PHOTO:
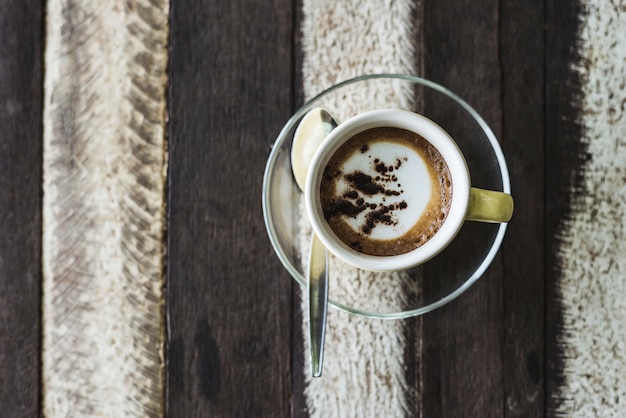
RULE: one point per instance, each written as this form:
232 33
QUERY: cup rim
435 135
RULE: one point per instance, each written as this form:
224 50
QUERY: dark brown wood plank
462 342
229 300
565 156
21 95
521 56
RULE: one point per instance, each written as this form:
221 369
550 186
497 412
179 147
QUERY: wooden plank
21 92
103 208
462 358
360 353
591 238
229 299
566 155
521 56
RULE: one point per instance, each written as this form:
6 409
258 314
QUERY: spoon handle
318 302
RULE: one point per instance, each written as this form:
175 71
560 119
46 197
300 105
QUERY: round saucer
399 294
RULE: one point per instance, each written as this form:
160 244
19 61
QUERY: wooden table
233 345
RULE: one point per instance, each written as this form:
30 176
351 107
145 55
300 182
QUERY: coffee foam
386 191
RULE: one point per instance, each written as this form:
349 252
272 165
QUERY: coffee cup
388 190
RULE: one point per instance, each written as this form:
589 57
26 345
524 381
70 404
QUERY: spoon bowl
314 127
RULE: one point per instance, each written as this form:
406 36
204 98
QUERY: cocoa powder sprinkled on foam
353 203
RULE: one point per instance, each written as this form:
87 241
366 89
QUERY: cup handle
489 206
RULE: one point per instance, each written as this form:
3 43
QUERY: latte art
386 191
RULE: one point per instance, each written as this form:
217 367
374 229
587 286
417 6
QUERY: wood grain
463 342
229 299
104 180
234 327
21 95
521 61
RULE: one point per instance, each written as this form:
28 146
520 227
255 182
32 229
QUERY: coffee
386 191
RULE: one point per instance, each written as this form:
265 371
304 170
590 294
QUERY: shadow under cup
410 292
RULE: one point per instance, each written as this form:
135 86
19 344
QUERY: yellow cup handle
489 206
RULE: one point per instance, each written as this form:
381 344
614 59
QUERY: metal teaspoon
313 128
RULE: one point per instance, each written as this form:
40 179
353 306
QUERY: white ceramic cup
467 203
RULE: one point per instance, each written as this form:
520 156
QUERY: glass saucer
401 294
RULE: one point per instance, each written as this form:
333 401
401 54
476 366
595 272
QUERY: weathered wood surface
587 203
489 343
234 343
103 208
463 364
357 379
521 59
229 300
565 153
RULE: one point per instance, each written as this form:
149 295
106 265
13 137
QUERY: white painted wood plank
593 250
364 371
103 220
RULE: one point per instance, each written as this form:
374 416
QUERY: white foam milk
413 183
